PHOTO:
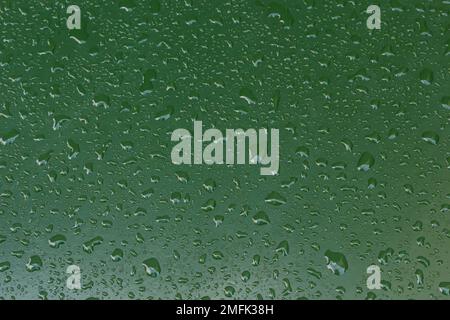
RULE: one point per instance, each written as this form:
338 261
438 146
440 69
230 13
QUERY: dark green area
86 176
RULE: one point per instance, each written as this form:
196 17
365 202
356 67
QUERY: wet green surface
86 177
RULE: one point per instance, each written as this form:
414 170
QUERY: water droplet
261 218
366 161
430 137
152 267
276 199
34 264
336 262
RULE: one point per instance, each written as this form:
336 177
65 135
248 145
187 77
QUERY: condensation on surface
86 177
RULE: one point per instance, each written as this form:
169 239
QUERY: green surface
85 170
